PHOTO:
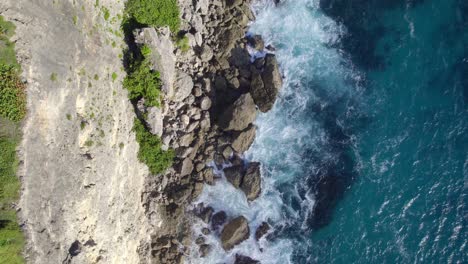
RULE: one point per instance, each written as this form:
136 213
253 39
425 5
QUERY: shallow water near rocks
364 154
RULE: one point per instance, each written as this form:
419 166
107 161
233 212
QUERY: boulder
265 86
204 213
234 233
243 140
183 86
155 121
251 183
185 167
262 230
218 220
205 103
240 58
241 259
239 115
234 175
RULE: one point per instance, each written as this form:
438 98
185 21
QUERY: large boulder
241 259
183 87
239 115
234 175
235 232
252 181
243 140
266 85
185 167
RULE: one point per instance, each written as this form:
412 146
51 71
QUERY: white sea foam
303 37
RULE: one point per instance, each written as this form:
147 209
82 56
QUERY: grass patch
12 94
53 76
183 43
150 151
156 13
114 76
89 143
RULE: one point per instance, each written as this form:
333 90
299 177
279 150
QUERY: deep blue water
365 152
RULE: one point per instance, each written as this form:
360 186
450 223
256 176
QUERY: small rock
205 250
186 140
218 220
205 231
183 86
227 152
205 103
234 233
208 176
200 240
262 230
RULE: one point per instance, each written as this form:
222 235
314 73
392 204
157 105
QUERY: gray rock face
234 233
251 183
240 114
162 55
264 90
183 86
243 140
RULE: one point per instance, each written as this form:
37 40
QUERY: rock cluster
208 112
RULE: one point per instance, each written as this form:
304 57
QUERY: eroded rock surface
236 231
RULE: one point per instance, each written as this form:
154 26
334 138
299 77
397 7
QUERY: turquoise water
364 155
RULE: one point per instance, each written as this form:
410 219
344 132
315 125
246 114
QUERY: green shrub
114 76
53 76
150 151
12 94
183 43
7 48
157 13
143 82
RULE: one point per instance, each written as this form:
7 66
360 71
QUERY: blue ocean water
364 155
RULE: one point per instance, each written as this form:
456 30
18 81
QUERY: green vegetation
53 76
82 125
75 20
12 95
183 43
96 77
106 13
150 151
142 82
69 117
114 76
12 111
89 143
156 13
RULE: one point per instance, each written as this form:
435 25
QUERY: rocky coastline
207 117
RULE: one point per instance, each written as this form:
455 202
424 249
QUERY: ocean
364 155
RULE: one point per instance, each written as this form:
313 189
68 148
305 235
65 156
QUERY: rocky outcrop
243 140
266 85
236 231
